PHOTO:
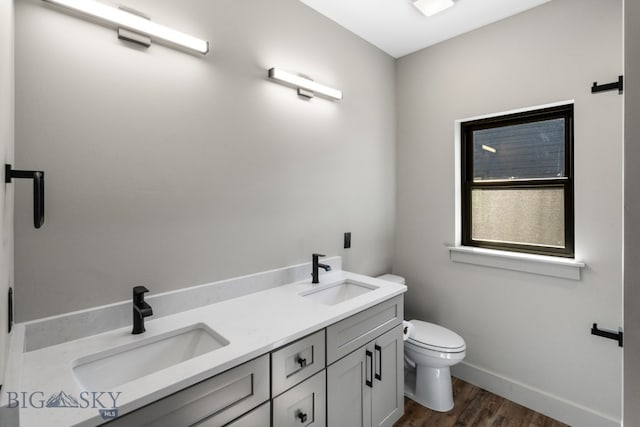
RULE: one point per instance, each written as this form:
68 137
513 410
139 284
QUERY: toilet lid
434 337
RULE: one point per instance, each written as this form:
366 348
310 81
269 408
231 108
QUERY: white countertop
253 324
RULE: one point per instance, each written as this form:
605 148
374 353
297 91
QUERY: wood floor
474 407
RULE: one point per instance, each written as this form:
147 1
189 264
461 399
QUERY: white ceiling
398 28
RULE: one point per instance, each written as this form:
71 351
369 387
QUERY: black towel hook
38 190
619 85
616 336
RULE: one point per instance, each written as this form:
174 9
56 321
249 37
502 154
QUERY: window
517 182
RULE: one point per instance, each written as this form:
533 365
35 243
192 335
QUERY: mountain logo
62 400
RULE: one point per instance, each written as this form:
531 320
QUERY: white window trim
566 268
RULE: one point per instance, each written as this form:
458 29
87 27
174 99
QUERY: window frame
566 183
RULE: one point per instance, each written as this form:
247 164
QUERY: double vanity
296 354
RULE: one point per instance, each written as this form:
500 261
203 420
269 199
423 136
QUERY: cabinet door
387 395
349 383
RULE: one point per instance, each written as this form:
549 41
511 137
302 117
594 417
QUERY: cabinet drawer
259 417
355 331
297 361
304 405
217 400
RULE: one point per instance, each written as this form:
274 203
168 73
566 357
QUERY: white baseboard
552 406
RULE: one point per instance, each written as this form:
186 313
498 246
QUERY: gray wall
632 215
172 170
6 156
524 332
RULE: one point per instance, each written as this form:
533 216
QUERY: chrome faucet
140 309
316 266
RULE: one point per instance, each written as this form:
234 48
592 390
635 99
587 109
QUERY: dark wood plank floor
474 407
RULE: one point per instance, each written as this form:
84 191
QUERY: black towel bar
38 190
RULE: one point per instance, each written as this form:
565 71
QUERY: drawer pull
378 350
368 374
302 416
302 362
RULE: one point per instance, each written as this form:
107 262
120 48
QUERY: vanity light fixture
306 87
431 7
489 148
135 23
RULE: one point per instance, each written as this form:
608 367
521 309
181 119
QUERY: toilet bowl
429 352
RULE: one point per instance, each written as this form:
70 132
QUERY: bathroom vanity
359 382
291 355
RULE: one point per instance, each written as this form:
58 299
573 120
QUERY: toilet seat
436 338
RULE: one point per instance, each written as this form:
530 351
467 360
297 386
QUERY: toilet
429 352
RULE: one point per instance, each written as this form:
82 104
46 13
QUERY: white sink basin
108 369
338 292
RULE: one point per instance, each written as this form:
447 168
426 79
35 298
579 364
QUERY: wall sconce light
431 7
489 148
306 87
134 23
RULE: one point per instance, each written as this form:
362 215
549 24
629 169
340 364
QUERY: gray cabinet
387 393
366 387
213 402
303 405
348 395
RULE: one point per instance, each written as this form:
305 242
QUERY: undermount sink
339 292
108 369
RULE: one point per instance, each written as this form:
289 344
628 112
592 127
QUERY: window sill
564 268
